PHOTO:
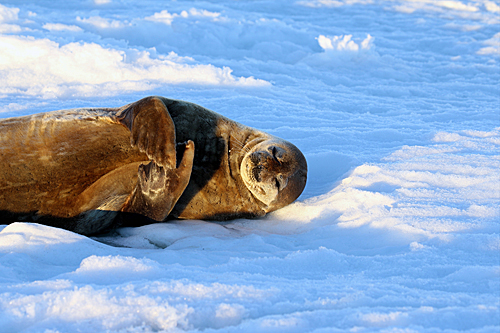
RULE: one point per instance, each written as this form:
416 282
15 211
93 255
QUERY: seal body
89 170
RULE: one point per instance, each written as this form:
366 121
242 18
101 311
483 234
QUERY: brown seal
89 170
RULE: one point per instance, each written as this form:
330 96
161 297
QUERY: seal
94 169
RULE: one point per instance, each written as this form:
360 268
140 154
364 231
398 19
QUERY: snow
395 105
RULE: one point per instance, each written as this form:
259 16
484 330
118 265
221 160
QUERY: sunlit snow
396 106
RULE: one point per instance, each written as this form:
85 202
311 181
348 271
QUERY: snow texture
396 105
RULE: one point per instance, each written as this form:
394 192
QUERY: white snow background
396 106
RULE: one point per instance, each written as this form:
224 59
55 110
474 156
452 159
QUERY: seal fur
89 170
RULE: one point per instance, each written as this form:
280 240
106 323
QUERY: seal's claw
187 159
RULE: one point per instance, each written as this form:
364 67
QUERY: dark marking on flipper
158 188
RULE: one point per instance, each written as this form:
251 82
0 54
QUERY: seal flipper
152 129
158 188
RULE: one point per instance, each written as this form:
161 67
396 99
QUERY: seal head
275 172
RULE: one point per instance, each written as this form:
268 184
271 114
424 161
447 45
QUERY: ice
395 105
165 17
494 47
43 67
343 43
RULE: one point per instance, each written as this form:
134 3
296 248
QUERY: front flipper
152 129
159 187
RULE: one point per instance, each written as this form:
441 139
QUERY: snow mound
33 66
344 43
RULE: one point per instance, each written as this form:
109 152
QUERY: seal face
275 172
91 170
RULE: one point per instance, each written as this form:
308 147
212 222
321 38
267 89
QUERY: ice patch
198 291
8 14
416 246
482 134
344 43
385 319
102 310
61 27
203 13
162 305
167 18
344 51
447 137
493 48
9 28
60 247
163 235
411 5
482 10
95 263
88 69
162 17
24 235
113 269
333 3
229 314
102 23
492 6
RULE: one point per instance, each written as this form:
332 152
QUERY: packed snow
396 106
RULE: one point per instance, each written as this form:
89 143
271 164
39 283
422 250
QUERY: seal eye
278 185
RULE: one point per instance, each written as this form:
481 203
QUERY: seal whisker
240 144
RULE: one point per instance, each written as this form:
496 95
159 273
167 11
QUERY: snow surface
395 105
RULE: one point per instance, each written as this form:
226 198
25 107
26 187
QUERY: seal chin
275 172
